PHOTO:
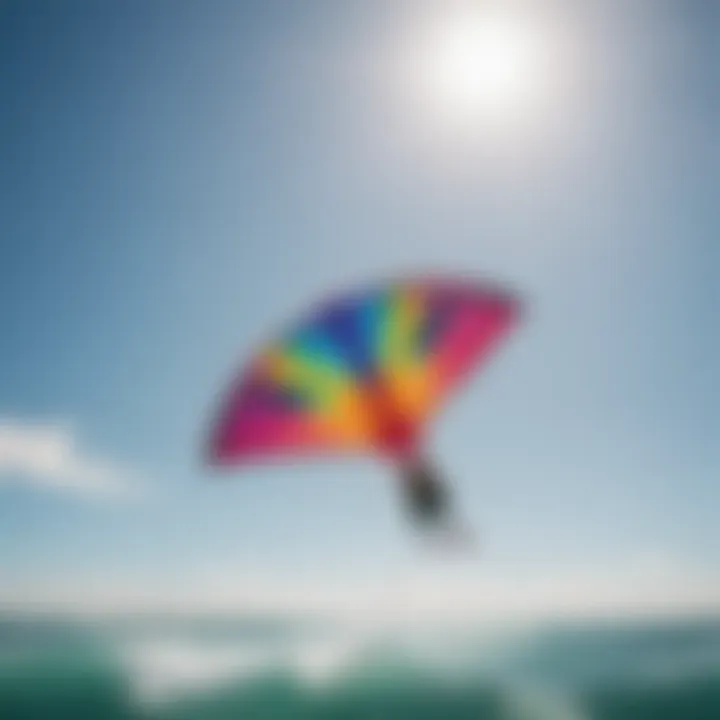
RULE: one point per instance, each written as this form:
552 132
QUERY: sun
487 66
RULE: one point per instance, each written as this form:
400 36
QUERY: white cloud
47 456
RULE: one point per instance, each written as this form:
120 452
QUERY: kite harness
426 495
427 500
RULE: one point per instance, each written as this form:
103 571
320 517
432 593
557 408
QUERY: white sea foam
161 670
530 702
164 669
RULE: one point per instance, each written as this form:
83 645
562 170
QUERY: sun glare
487 67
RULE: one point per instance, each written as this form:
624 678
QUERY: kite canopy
363 372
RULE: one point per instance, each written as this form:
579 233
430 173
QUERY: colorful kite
364 372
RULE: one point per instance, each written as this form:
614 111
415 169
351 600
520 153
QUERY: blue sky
179 178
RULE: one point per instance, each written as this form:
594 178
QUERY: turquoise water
212 669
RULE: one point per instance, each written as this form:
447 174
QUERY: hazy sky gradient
177 179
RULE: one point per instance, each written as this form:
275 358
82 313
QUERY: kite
365 372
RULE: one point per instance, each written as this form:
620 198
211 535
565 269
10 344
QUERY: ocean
268 668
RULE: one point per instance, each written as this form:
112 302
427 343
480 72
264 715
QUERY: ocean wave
163 670
182 670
